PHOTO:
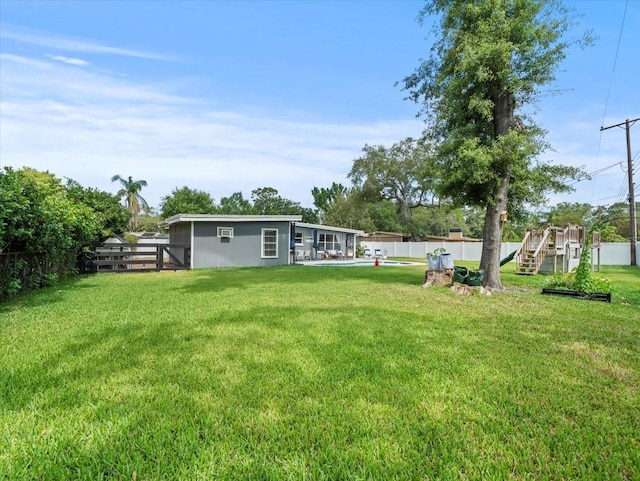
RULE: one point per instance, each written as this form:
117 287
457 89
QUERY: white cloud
89 126
24 76
68 60
18 59
59 42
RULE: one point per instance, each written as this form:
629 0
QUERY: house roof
381 232
331 228
150 235
228 218
437 238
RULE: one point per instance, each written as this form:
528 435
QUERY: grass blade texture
318 373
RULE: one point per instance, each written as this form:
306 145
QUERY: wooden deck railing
533 249
537 243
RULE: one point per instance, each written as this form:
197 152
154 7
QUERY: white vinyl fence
610 254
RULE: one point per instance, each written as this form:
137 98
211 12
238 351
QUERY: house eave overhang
178 218
330 228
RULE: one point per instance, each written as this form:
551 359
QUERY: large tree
490 60
323 197
571 213
349 210
267 201
130 193
185 200
401 173
235 204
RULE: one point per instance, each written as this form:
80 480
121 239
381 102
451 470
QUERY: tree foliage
130 193
612 221
402 173
44 226
324 197
436 220
350 211
235 204
617 216
267 201
112 217
571 213
490 60
149 220
185 200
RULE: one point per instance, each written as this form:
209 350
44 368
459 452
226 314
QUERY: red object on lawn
376 263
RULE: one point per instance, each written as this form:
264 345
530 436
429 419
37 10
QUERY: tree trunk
503 110
404 210
492 238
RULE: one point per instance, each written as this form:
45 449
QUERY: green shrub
581 279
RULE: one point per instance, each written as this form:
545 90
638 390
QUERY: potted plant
433 258
581 282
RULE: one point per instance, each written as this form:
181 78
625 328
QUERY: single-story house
316 241
233 240
256 240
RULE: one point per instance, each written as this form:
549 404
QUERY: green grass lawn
318 373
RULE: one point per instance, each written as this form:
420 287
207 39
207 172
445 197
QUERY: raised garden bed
592 296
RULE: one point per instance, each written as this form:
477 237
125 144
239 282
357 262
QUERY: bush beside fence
21 271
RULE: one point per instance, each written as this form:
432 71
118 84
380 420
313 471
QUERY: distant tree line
263 201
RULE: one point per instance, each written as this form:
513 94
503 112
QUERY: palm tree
133 201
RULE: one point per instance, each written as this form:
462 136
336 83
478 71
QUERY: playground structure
551 249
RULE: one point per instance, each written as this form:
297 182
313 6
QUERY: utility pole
633 223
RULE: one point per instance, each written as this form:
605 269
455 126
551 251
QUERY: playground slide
509 258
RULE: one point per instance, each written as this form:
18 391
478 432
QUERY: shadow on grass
272 392
164 395
218 280
47 295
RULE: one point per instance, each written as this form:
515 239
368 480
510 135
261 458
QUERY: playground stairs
549 249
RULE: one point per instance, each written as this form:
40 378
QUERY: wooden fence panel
137 257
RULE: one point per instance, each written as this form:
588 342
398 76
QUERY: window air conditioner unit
225 232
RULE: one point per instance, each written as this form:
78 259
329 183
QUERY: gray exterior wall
243 250
180 233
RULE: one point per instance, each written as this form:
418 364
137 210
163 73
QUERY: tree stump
438 277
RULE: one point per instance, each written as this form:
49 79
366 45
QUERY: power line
613 70
615 61
606 198
590 175
623 190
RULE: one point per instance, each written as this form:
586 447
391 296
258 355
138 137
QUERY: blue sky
231 96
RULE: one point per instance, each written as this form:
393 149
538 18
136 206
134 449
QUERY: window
329 242
225 231
299 239
269 243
